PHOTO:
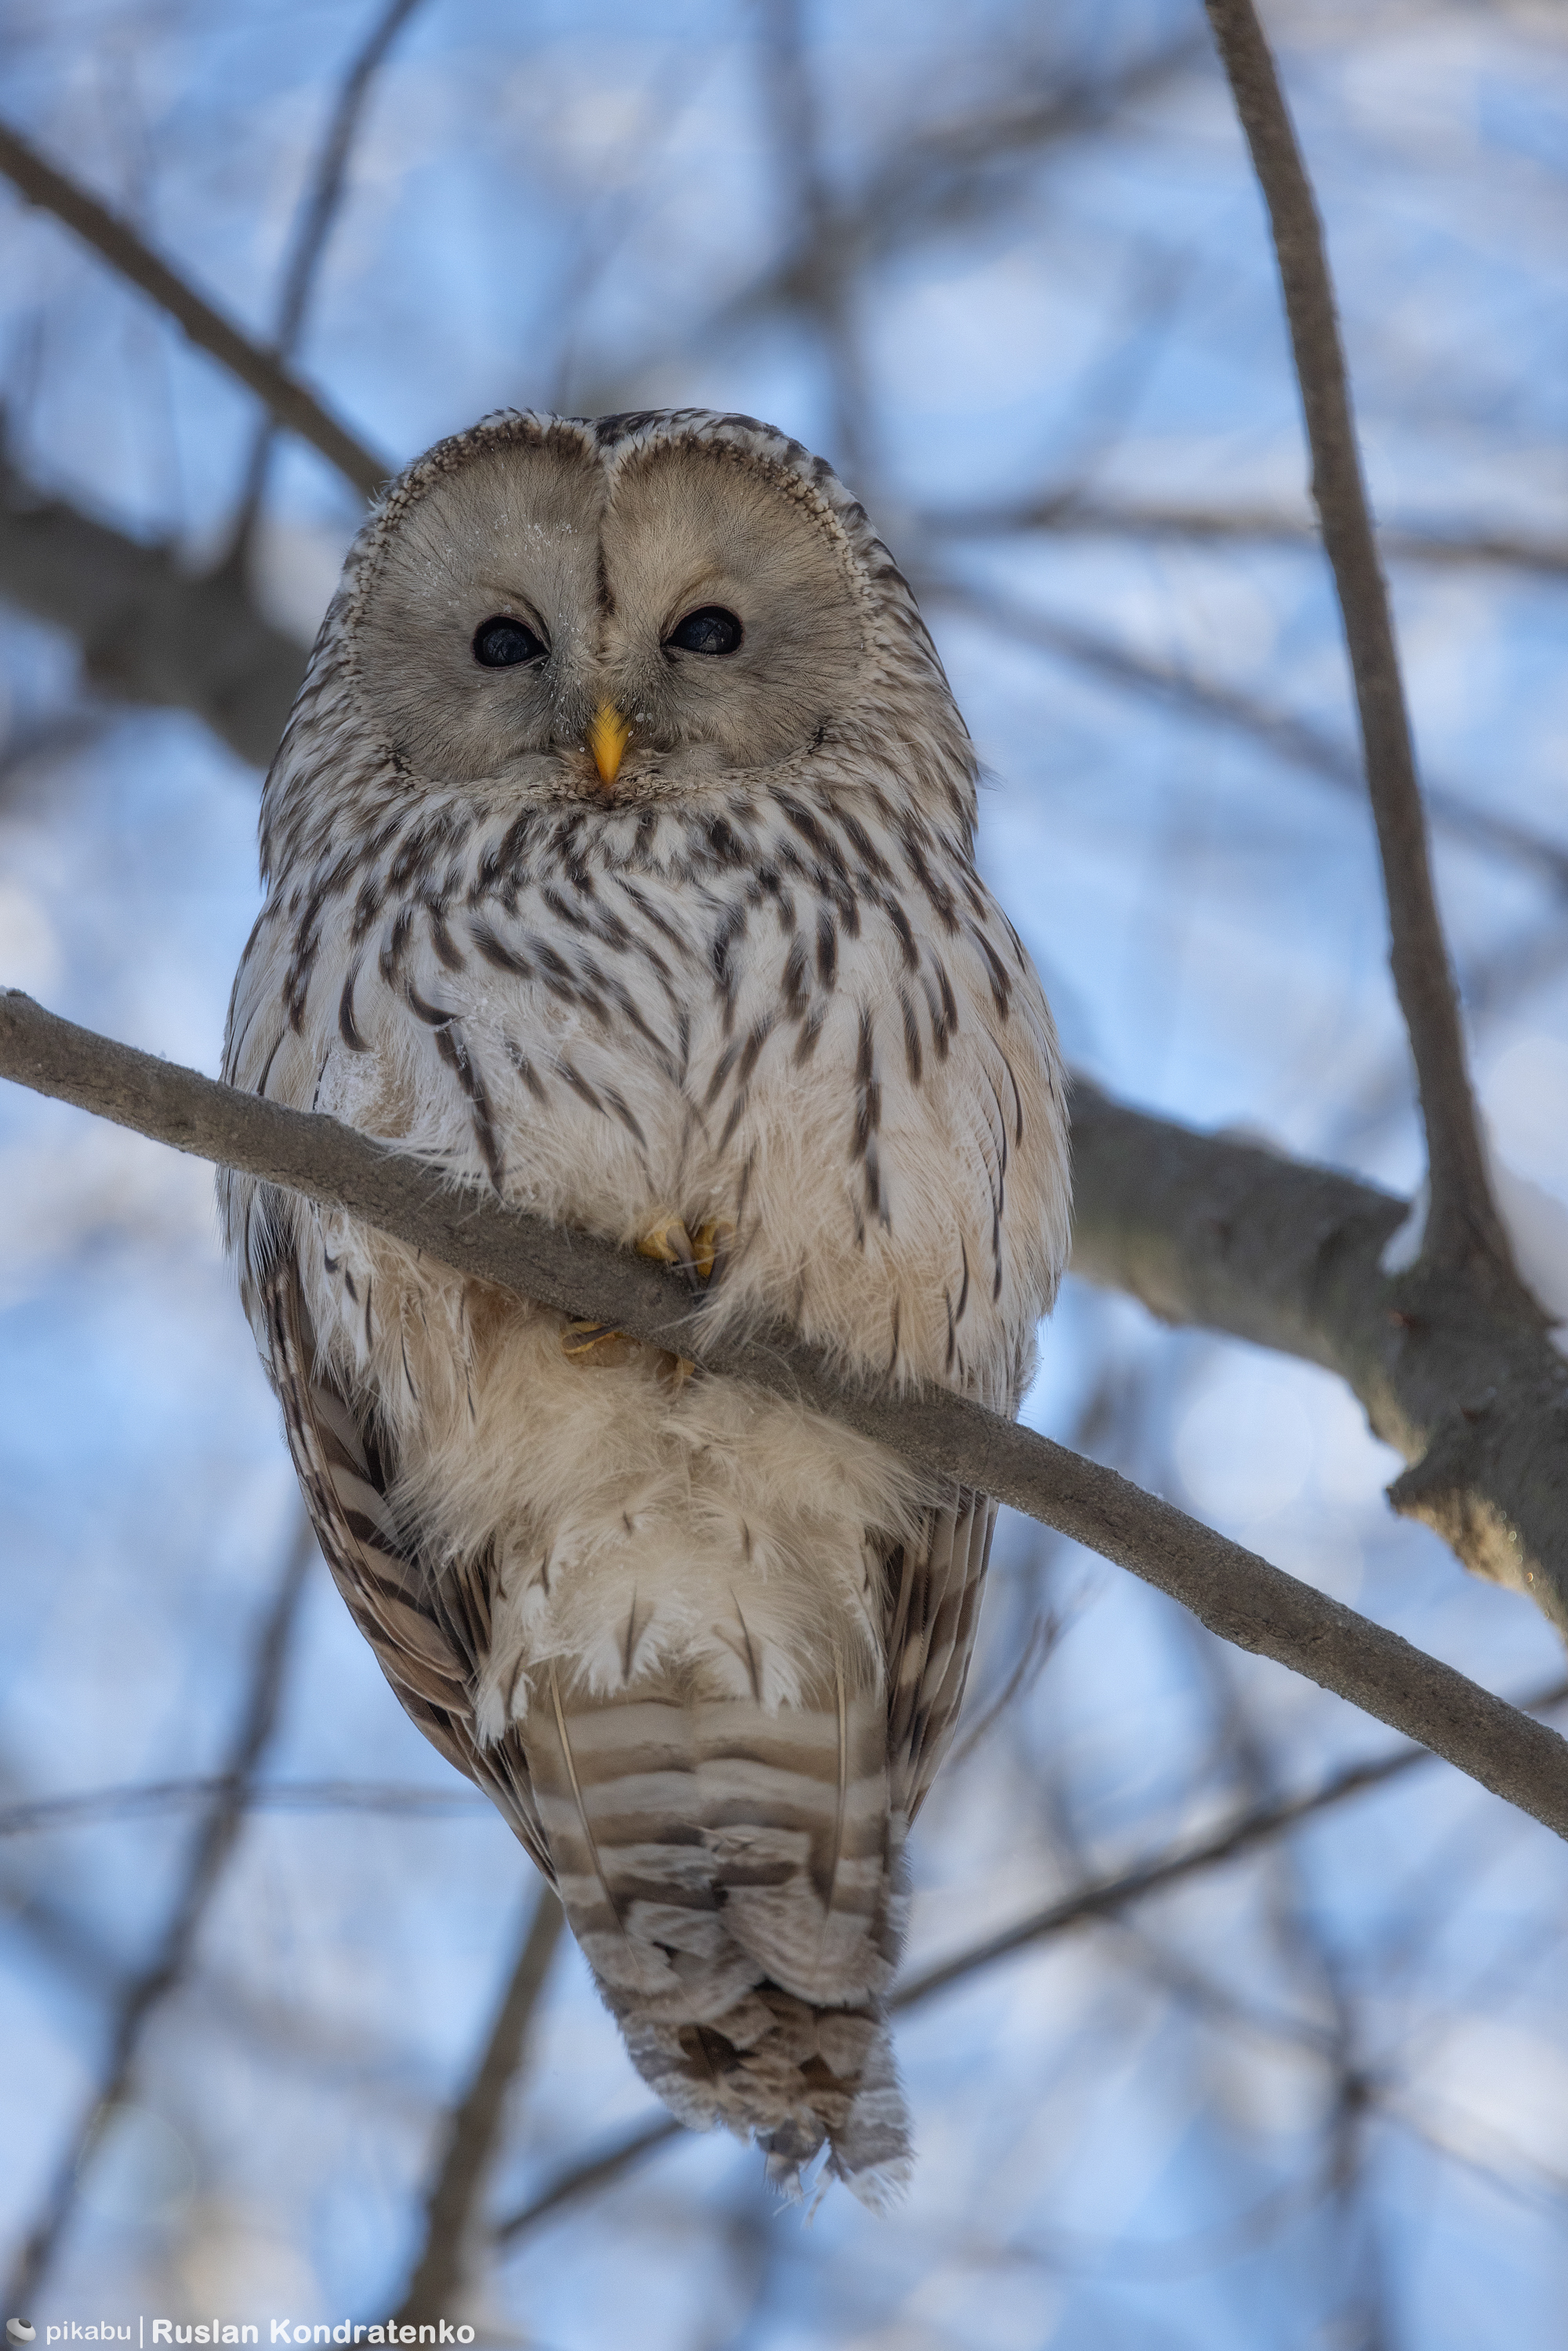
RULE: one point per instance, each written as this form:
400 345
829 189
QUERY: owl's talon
667 1241
672 1244
588 1342
711 1240
595 1342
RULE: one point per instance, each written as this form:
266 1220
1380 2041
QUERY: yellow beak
606 738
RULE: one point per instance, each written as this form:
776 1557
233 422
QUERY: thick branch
1468 1388
1236 1595
118 243
1462 1219
149 632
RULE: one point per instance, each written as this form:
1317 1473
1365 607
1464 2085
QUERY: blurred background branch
153 1984
39 182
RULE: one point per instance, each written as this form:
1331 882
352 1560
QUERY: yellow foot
595 1342
668 1240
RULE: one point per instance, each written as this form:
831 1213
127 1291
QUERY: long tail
735 1878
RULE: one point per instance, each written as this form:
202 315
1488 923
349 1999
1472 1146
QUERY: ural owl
619 858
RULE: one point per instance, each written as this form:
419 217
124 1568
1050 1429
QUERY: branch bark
1236 1595
1465 1385
1462 1224
117 243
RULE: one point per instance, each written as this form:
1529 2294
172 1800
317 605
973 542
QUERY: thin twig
1102 1899
599 2170
1252 1828
1236 1595
1074 513
1463 1220
452 2208
1208 701
823 257
317 214
118 243
214 1843
933 175
148 1798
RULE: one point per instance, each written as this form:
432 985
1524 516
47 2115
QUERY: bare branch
147 1989
1462 1220
1101 1898
1206 700
452 2209
1240 1239
118 243
315 217
822 271
936 174
1236 1595
149 632
144 1798
1075 513
600 2170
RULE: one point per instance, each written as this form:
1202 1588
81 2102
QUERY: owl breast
797 1022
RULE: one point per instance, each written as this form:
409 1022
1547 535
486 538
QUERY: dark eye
711 631
502 642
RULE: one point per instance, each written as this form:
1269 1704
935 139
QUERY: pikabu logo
21 2331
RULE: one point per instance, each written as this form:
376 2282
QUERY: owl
618 861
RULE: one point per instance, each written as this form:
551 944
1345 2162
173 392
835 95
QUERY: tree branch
1101 1898
1469 1389
1207 701
314 226
145 1799
118 243
209 1854
475 2126
1075 513
148 631
1462 1220
1236 1595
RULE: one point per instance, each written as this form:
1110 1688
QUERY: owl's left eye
711 631
502 642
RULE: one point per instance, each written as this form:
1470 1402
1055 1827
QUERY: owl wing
430 1636
933 1599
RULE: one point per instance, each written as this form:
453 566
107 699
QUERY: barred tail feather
735 1878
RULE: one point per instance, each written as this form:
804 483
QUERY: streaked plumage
746 1002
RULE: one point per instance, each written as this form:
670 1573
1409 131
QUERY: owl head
625 610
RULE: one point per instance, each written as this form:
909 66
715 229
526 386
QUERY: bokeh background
1005 265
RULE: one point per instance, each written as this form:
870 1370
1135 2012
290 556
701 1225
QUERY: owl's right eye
502 642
